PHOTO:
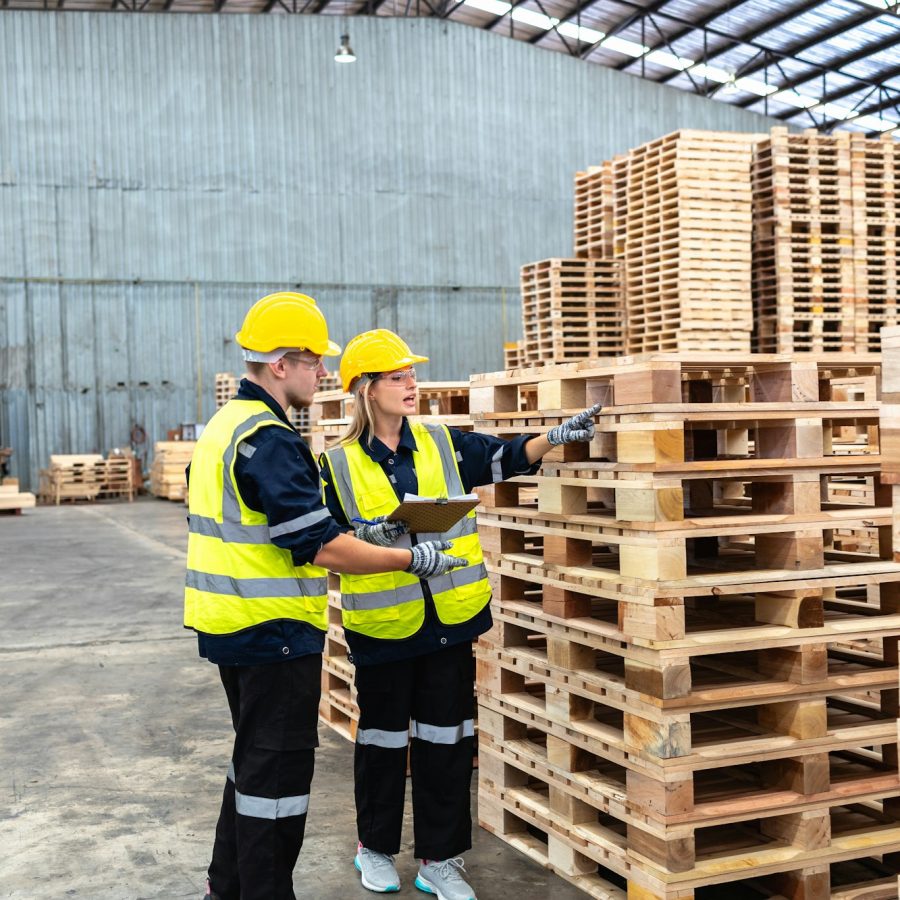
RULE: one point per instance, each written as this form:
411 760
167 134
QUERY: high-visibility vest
391 605
236 576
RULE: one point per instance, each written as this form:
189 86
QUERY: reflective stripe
441 437
266 808
497 466
246 450
299 523
459 455
231 508
459 577
256 588
405 593
443 734
377 737
340 467
229 532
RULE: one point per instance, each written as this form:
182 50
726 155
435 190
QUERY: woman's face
395 393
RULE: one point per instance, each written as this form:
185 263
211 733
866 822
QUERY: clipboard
427 514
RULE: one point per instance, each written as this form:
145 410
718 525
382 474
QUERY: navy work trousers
274 709
430 699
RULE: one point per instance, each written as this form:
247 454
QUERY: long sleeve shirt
276 475
483 459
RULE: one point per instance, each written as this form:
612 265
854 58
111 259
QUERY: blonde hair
362 417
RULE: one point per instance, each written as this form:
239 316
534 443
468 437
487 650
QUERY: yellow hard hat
375 351
286 319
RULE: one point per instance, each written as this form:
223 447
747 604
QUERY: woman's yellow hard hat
375 351
286 320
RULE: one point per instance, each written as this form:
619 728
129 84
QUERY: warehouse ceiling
823 64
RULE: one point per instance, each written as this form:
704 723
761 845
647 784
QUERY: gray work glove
382 533
579 428
428 561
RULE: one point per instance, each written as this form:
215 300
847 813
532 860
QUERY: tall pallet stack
803 267
687 243
875 192
690 691
571 309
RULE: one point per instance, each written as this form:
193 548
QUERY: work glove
428 561
579 428
381 533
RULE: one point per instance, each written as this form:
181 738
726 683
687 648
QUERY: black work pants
274 709
430 699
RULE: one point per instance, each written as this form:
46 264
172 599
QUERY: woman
411 639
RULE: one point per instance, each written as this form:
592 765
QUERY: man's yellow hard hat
375 351
286 320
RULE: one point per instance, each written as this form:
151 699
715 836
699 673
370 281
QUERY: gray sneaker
377 871
444 878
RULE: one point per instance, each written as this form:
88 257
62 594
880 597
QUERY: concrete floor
114 735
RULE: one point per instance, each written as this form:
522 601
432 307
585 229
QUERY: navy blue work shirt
483 459
276 475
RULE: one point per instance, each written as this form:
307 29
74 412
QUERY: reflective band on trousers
443 734
256 588
377 737
267 807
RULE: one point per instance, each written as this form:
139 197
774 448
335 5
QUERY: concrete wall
159 173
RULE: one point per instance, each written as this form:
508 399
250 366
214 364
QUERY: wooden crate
572 309
691 685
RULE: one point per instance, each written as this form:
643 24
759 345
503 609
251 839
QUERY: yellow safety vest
391 605
236 576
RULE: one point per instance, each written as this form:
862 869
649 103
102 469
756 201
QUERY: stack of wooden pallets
86 476
167 477
513 354
803 261
875 190
571 309
687 243
690 691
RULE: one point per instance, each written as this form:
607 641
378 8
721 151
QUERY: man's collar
250 390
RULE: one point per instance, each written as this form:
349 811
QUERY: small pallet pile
167 478
86 476
690 690
446 402
571 309
11 499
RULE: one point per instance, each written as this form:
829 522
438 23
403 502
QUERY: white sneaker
377 871
444 878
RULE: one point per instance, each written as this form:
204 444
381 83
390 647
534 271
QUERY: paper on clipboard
430 514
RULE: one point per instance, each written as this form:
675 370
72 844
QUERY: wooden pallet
572 309
86 477
167 475
688 242
12 500
692 672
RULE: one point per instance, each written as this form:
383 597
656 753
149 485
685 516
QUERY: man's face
303 371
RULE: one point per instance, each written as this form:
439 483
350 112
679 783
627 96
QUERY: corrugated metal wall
159 173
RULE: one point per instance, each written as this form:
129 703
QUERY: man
256 592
